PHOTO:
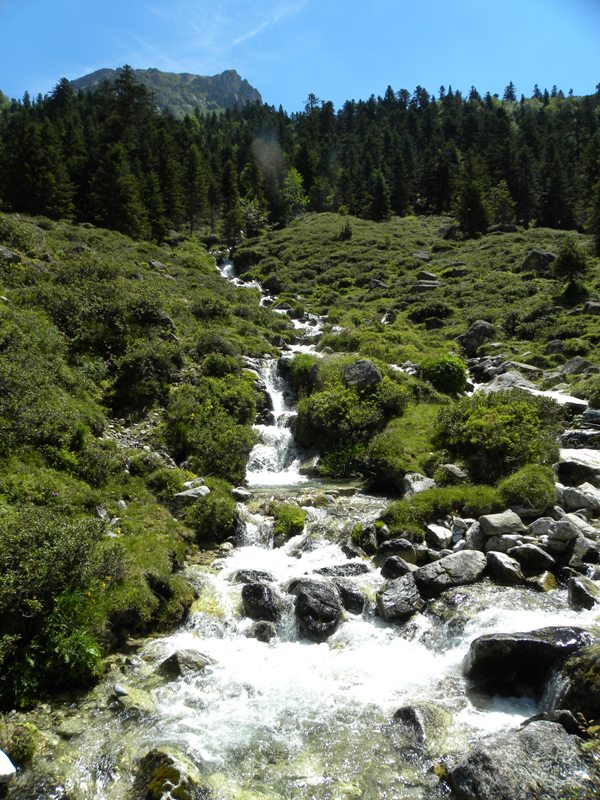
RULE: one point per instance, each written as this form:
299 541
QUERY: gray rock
545 582
396 567
165 770
7 768
540 762
252 576
538 260
399 599
156 265
425 286
500 524
508 380
318 609
516 664
351 596
475 538
585 551
533 559
259 602
362 373
414 482
591 416
240 494
583 593
263 630
190 496
581 438
396 547
579 683
454 475
476 335
541 526
8 256
564 530
583 496
183 662
591 307
350 568
438 536
502 544
575 366
457 569
193 483
136 701
505 570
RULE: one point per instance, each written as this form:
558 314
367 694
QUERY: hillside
183 93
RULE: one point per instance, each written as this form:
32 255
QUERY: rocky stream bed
336 667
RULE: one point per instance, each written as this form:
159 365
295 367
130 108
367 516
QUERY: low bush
165 482
447 374
589 389
497 433
532 486
144 375
213 516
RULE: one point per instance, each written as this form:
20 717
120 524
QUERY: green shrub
447 374
217 365
289 521
433 310
210 342
165 482
303 372
144 375
495 434
532 486
412 514
213 516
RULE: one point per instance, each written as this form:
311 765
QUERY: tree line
109 157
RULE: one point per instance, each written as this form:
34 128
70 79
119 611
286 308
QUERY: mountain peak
182 93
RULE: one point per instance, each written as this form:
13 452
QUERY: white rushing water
295 719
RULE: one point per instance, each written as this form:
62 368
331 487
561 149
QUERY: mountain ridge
182 93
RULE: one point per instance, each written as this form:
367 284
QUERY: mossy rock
166 773
582 673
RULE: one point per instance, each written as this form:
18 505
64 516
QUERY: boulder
575 366
579 683
454 475
318 609
539 762
240 494
505 570
352 598
183 662
591 416
583 496
582 592
396 547
515 664
414 482
457 569
425 286
545 582
537 260
475 538
362 373
508 380
502 544
396 567
591 307
438 536
259 602
585 551
165 772
540 526
500 524
476 335
349 569
533 559
252 576
189 496
262 630
399 599
423 725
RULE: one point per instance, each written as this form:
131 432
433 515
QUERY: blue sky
337 49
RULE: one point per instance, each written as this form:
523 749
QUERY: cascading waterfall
291 718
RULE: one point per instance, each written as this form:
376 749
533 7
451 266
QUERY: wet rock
516 664
351 596
584 552
476 335
583 593
533 559
399 599
539 762
457 569
263 631
505 570
579 680
259 602
566 719
352 568
583 496
545 582
135 700
252 576
538 260
165 772
395 547
438 536
362 373
423 724
396 567
500 524
183 662
413 483
318 609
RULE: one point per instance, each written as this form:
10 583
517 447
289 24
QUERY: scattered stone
414 482
457 569
318 609
259 602
538 260
516 664
533 560
500 524
476 335
183 662
399 599
157 265
362 373
475 538
583 496
539 762
541 526
504 569
583 593
263 630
